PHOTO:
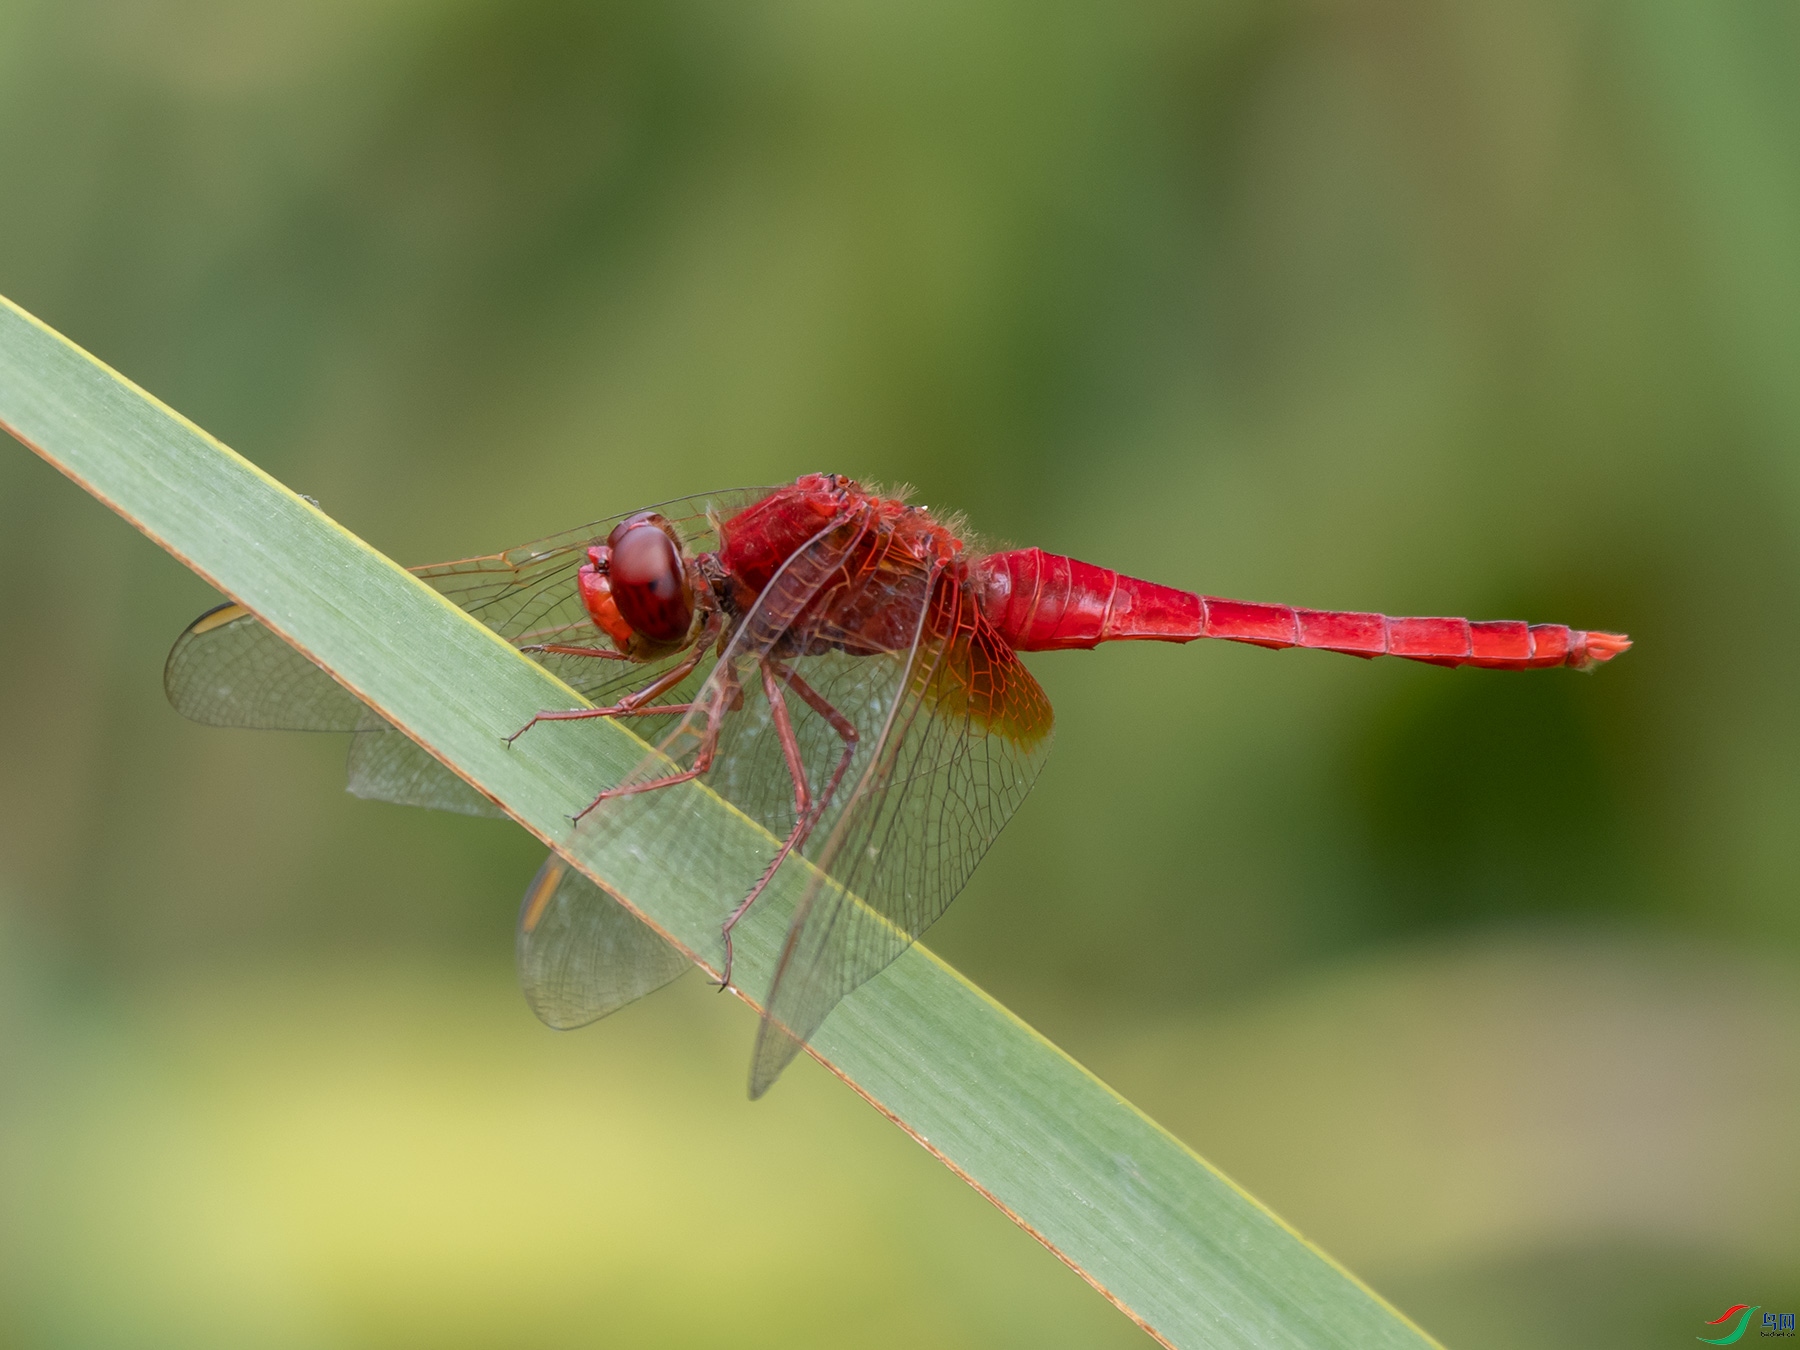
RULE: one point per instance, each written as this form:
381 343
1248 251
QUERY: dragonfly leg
558 649
581 714
838 723
806 810
790 745
632 705
717 706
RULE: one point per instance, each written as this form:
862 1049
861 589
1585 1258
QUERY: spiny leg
806 810
558 649
838 723
720 701
629 705
579 714
790 744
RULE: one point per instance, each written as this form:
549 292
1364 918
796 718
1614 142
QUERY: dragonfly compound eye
649 580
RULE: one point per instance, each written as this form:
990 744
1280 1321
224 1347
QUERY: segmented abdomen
1044 602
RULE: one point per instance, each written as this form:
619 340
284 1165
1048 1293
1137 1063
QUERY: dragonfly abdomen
1045 602
1502 644
1042 602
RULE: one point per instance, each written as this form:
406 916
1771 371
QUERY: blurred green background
1484 981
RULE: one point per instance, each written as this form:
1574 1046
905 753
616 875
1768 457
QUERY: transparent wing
227 670
528 594
583 955
965 745
387 765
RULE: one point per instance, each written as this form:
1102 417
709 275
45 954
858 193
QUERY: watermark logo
1738 1315
1740 1311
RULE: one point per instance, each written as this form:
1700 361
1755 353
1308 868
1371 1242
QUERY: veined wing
961 751
387 765
583 955
528 594
227 669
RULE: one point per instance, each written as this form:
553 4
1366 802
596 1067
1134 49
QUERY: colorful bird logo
1742 1312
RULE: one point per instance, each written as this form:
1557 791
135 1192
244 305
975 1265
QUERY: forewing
528 594
227 669
965 745
581 953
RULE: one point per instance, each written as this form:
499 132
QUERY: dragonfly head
636 587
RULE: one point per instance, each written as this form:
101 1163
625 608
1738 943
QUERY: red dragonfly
839 665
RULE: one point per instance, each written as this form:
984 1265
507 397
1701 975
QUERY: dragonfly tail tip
1599 648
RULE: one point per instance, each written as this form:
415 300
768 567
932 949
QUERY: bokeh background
1485 981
